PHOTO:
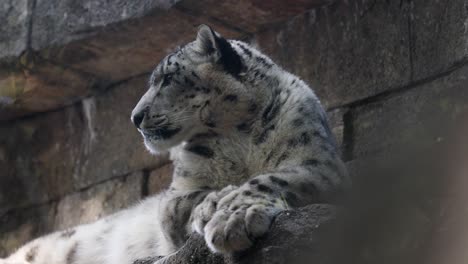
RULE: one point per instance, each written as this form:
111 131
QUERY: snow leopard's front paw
237 219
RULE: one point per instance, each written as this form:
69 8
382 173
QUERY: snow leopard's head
198 87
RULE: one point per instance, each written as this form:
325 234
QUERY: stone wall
390 73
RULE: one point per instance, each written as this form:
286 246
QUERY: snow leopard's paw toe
206 209
241 217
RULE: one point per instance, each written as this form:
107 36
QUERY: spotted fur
247 139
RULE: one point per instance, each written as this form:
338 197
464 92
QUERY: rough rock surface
349 50
62 21
440 35
14 18
418 117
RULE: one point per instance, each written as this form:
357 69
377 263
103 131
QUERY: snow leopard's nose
138 117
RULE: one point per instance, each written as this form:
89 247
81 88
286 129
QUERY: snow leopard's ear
211 44
206 42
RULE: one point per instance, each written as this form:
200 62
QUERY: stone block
346 51
421 116
439 35
37 86
38 157
14 17
133 47
98 201
160 179
57 22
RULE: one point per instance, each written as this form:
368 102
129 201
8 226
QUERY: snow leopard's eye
166 79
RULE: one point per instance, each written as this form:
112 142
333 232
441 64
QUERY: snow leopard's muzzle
154 127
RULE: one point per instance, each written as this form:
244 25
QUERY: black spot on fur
297 122
271 154
267 111
278 181
166 80
166 132
201 151
293 81
288 170
311 162
169 63
258 196
319 135
210 124
184 174
231 98
244 127
271 111
264 135
188 81
32 253
194 195
282 158
195 75
254 181
203 136
252 108
264 188
71 255
245 50
302 140
247 193
67 233
263 61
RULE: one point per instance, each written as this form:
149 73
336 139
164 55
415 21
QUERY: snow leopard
247 140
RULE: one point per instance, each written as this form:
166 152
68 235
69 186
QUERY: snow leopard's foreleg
233 218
